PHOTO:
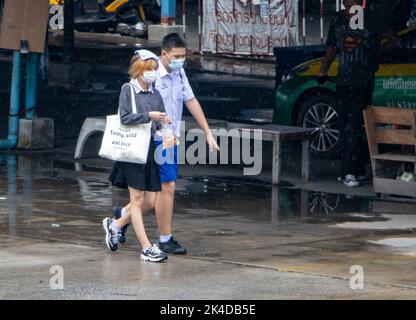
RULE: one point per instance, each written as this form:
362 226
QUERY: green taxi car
302 101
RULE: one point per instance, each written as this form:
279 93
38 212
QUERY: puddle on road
406 246
389 222
33 186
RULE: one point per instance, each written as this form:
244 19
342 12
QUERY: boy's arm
195 109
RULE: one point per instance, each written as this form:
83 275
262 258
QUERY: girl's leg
148 205
136 203
126 219
149 201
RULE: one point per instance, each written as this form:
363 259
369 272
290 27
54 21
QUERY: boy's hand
212 142
168 120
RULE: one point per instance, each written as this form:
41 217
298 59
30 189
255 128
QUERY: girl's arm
127 116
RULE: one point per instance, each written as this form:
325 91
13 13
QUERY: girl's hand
167 120
157 116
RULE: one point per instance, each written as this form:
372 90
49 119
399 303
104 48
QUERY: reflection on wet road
32 188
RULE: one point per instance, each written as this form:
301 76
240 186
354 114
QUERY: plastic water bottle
167 136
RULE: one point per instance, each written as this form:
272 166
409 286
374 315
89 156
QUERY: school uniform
175 90
146 176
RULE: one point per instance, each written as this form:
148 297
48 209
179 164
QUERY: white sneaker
111 236
153 254
351 181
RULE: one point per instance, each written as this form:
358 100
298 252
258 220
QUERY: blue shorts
168 170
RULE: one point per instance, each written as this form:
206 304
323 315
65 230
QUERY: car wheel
321 113
323 203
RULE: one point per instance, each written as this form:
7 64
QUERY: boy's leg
168 169
164 208
164 214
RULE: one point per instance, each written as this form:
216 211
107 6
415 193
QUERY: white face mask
149 77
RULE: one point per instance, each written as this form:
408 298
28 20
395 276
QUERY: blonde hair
138 66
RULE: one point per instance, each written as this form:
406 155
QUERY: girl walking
142 180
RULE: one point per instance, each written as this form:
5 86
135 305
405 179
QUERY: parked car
302 101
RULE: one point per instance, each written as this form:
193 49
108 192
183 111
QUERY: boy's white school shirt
175 90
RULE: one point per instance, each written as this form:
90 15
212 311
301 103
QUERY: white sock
123 212
165 238
113 226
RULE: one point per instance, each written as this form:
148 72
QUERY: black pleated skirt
137 176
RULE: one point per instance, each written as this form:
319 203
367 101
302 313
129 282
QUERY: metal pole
69 27
184 17
216 36
269 31
199 26
13 133
322 21
251 45
168 12
304 21
251 17
286 25
31 83
234 17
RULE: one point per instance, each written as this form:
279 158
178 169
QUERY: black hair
173 40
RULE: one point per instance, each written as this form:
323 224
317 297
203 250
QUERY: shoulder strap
122 87
133 100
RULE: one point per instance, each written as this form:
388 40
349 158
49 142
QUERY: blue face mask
176 64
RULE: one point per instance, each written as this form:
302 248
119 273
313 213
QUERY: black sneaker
111 237
153 254
172 246
117 215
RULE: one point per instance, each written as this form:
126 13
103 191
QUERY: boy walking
176 91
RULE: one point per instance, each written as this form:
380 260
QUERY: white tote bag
126 143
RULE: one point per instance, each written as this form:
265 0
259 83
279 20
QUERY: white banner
242 27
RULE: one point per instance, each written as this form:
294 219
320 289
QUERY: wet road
245 240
